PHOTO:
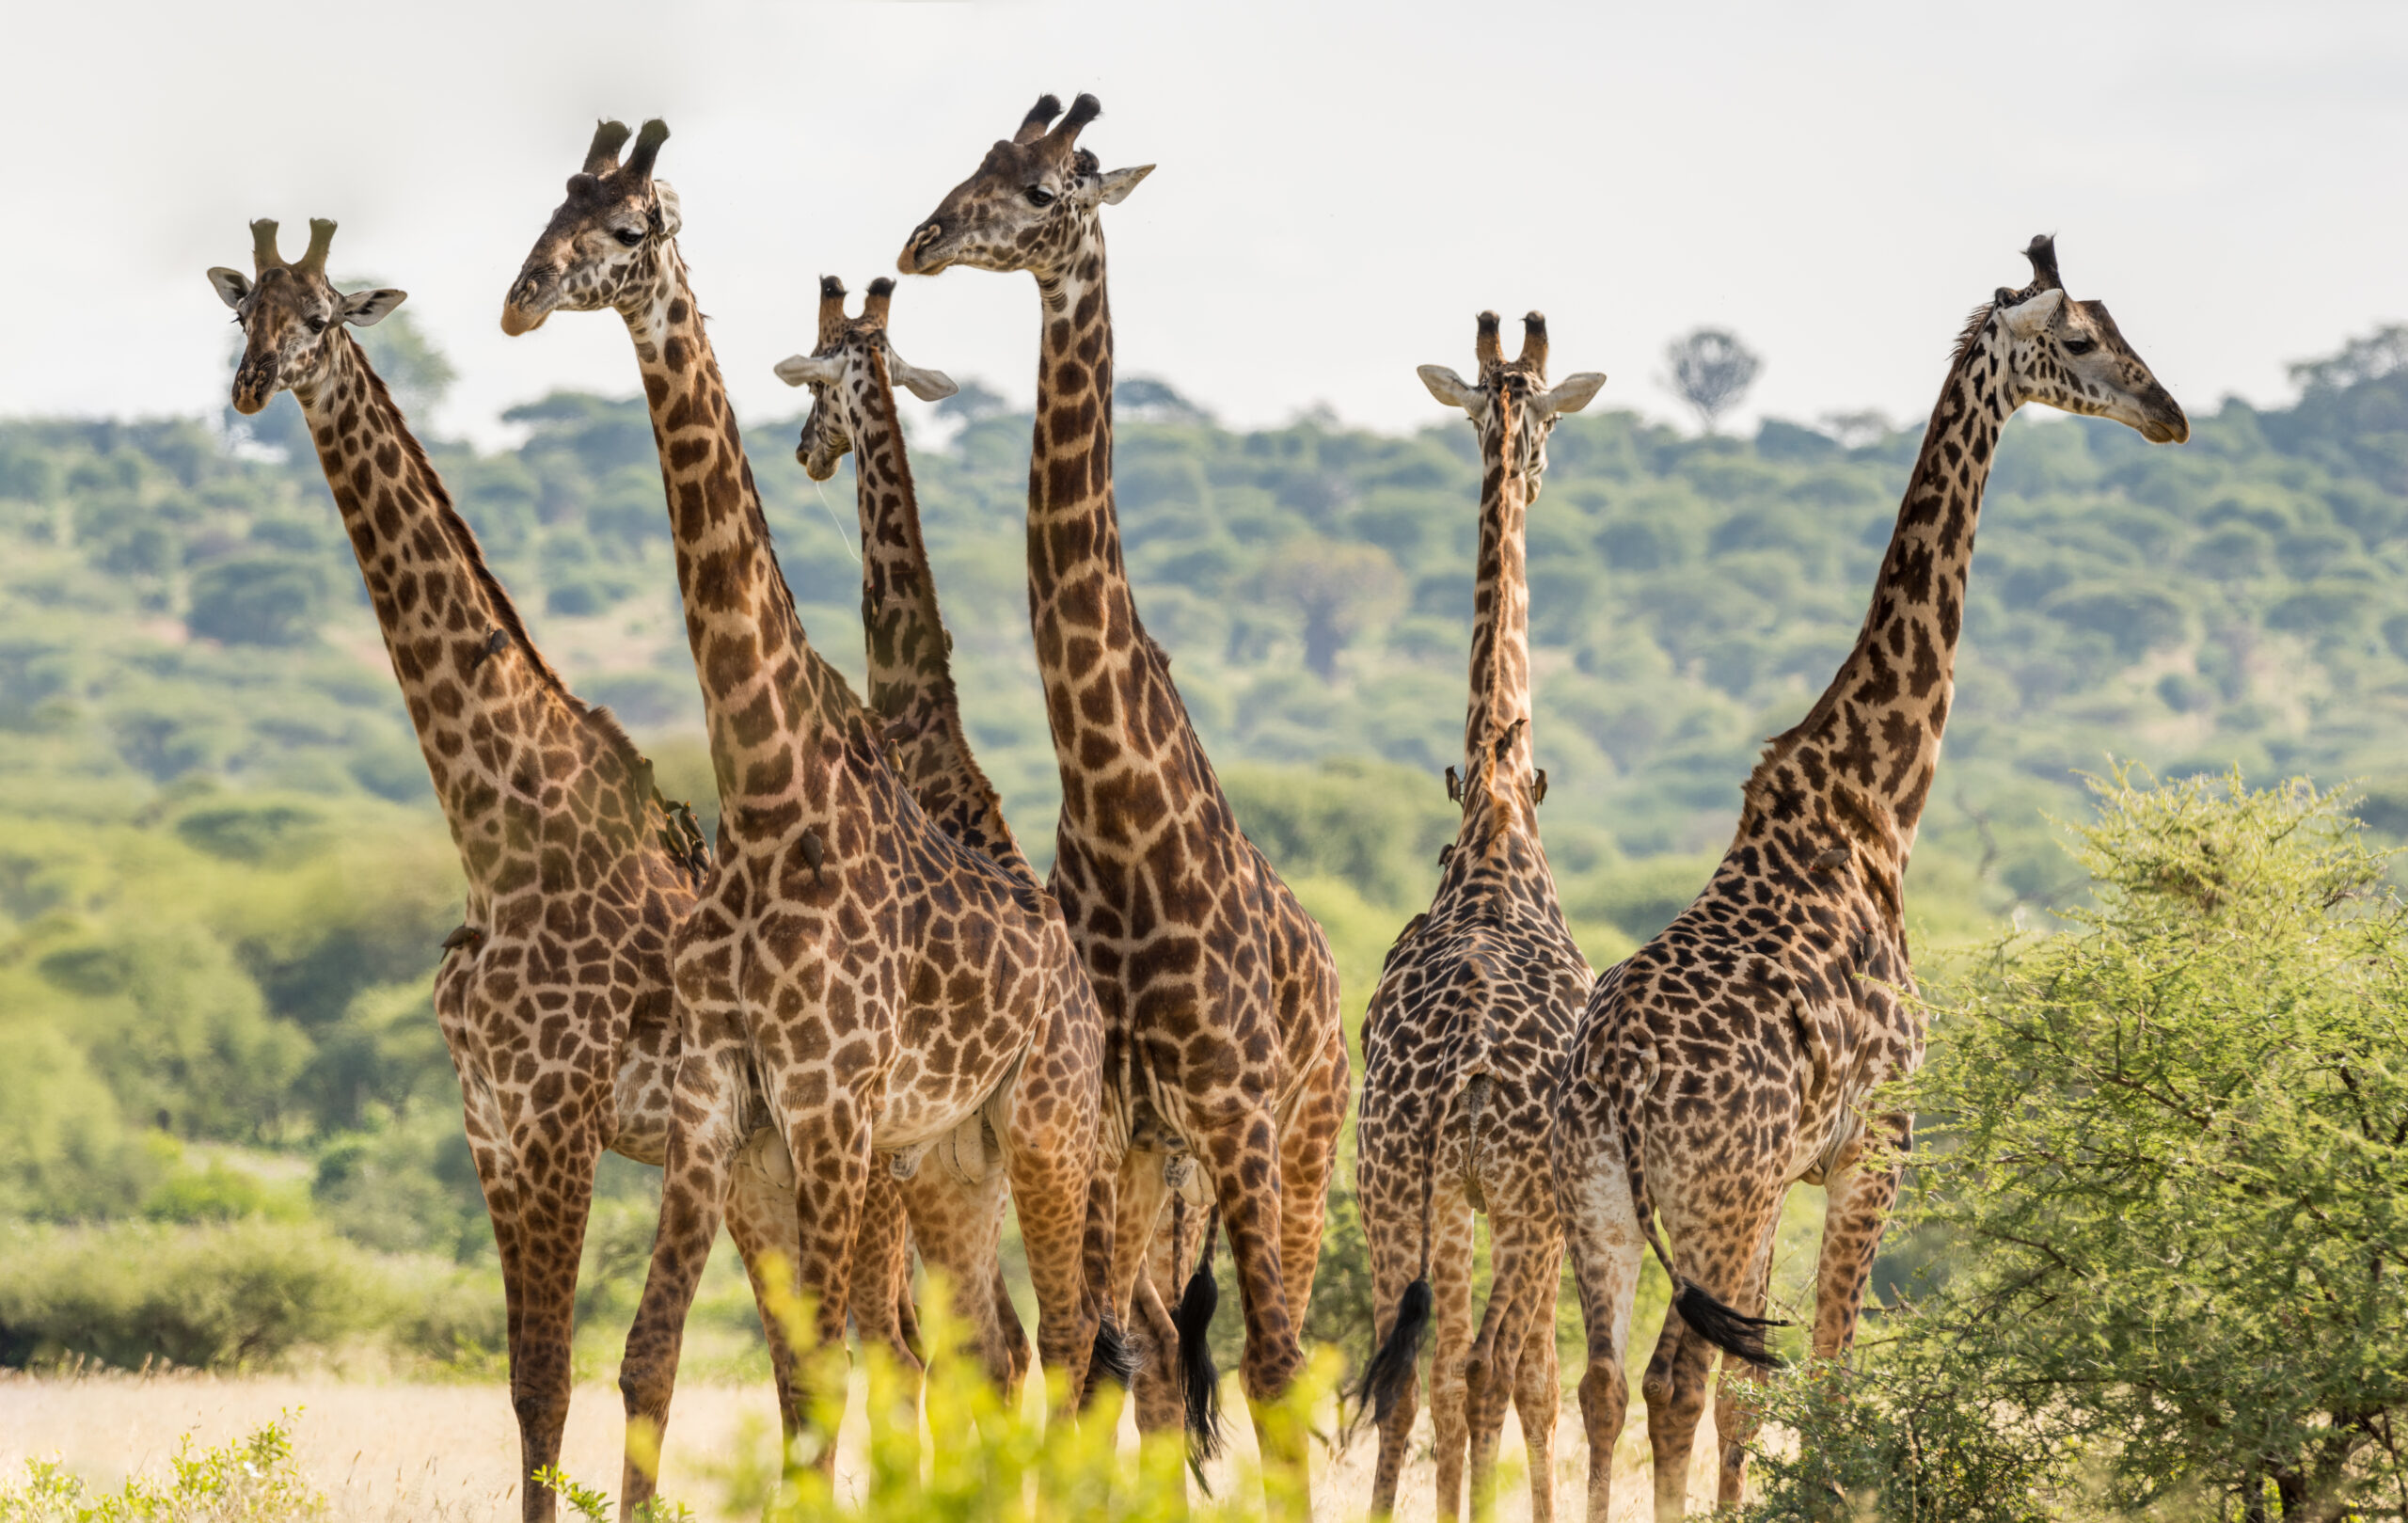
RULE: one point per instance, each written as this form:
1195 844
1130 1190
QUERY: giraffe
1472 1016
554 995
1225 1045
852 374
1733 1056
886 984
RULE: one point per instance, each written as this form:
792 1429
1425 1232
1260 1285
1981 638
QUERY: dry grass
451 1452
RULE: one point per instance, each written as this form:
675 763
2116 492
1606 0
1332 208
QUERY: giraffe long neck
911 655
1870 743
485 705
1496 727
1110 701
767 694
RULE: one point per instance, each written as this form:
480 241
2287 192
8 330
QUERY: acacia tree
1711 369
2171 1155
1339 586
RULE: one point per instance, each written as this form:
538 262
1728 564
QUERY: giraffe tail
1199 1376
1391 1371
1725 1326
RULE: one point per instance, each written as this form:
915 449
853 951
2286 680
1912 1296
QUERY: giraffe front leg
881 1293
1600 1222
551 1194
1049 1150
830 1145
696 1185
539 1362
1858 1201
959 1223
760 1217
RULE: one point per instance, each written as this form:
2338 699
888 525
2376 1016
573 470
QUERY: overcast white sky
1340 187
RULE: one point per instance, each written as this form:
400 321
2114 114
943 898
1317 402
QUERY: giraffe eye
317 324
628 237
1039 196
2080 346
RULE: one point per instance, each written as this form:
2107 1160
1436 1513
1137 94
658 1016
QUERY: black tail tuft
1198 1375
1733 1331
1114 1358
1391 1368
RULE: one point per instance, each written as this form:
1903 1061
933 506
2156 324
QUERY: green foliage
2170 1155
1905 1440
252 1479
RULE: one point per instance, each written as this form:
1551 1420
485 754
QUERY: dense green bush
2169 1159
235 1295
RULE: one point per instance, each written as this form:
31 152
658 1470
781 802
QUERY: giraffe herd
859 1024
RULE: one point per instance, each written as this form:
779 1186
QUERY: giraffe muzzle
915 259
530 301
2162 421
254 386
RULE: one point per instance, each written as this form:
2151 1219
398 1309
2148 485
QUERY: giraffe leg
1452 1232
538 1213
1721 1262
959 1223
695 1186
1308 1161
1526 1257
1538 1394
1241 1155
1600 1224
1858 1201
1675 1390
760 1217
1171 1254
1048 1136
1736 1415
831 1143
881 1292
1395 1239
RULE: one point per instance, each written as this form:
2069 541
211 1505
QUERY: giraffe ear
1117 183
928 386
1454 390
2035 315
810 369
666 216
1571 394
233 285
366 308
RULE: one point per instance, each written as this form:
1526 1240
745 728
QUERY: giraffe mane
1972 330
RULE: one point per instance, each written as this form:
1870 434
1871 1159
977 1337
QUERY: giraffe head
2070 355
604 245
852 374
1031 205
1514 394
289 314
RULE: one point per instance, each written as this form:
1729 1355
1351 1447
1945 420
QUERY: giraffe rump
1713 1318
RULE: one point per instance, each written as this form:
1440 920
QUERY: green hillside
222 882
